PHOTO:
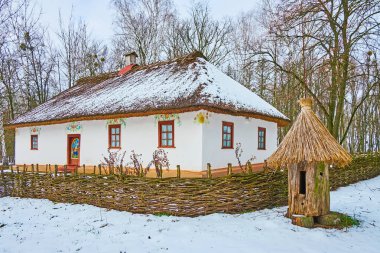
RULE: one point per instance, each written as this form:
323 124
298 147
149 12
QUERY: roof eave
281 122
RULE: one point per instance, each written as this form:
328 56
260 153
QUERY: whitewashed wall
196 144
245 132
139 134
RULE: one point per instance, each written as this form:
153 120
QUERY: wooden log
308 188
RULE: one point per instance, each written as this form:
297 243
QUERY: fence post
18 171
94 170
65 170
178 171
55 170
76 170
33 168
229 171
84 169
11 169
100 169
249 167
37 168
24 169
160 170
46 169
209 175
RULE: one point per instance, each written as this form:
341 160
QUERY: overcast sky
98 14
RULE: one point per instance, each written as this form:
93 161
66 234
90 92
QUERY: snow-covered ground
31 225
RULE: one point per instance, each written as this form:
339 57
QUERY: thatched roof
183 84
308 140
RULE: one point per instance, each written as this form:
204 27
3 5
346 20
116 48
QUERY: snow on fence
174 196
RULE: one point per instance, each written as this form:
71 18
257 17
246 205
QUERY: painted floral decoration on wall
202 118
74 127
163 117
120 121
35 130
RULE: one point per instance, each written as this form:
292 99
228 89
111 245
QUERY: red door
73 149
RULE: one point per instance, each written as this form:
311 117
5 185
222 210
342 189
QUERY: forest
282 50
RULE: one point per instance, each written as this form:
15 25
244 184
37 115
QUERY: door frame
68 148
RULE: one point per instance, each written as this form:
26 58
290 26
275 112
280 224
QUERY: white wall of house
245 132
139 134
196 144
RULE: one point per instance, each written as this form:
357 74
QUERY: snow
163 86
32 225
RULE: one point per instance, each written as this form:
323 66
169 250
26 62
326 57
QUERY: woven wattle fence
171 196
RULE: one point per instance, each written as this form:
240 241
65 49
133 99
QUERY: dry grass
309 140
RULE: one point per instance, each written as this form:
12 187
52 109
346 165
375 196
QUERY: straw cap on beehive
308 140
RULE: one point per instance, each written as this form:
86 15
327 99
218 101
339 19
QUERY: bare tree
140 27
336 31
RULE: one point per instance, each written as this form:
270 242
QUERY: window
302 182
228 135
166 134
261 138
114 136
34 142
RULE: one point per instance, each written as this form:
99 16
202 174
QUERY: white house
186 106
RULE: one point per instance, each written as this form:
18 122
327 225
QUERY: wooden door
73 149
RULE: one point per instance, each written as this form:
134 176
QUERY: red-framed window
227 135
166 134
34 142
114 134
261 138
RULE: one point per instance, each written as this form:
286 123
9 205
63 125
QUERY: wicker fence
174 196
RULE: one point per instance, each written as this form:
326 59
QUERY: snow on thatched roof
184 84
308 140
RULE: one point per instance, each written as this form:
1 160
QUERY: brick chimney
130 62
130 58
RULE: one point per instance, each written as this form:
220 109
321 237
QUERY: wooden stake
229 171
178 171
249 165
209 175
161 170
55 170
